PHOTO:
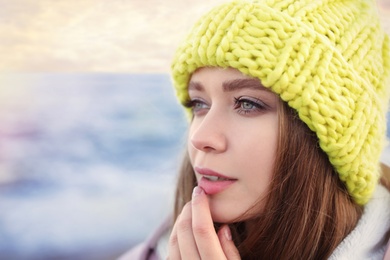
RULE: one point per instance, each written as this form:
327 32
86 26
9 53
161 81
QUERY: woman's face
232 139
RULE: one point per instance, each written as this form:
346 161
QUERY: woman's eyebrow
193 85
231 85
237 84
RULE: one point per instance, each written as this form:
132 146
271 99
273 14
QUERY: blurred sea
87 162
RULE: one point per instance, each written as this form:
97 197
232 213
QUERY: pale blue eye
247 105
199 105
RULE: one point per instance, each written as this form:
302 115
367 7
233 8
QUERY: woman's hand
193 235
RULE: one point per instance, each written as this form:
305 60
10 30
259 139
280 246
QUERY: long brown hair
308 210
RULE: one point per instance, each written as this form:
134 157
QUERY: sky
97 35
93 35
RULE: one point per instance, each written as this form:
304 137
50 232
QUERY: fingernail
227 232
197 190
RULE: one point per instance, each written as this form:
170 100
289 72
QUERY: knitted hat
328 59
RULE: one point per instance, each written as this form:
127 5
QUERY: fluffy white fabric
366 241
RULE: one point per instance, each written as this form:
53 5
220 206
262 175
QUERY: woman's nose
209 134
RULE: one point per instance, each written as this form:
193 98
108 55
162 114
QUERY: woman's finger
173 246
203 228
186 240
228 246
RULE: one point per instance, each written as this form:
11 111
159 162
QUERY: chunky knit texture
329 60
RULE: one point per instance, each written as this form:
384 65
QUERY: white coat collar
366 241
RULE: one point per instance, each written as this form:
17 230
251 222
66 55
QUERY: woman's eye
196 105
246 105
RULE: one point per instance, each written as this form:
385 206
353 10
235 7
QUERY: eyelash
192 103
257 105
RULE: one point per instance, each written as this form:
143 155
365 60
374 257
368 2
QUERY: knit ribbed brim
329 60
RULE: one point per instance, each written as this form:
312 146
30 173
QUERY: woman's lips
212 182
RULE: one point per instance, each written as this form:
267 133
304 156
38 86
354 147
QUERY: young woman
287 104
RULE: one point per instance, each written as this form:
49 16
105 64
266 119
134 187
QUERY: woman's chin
229 215
223 217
